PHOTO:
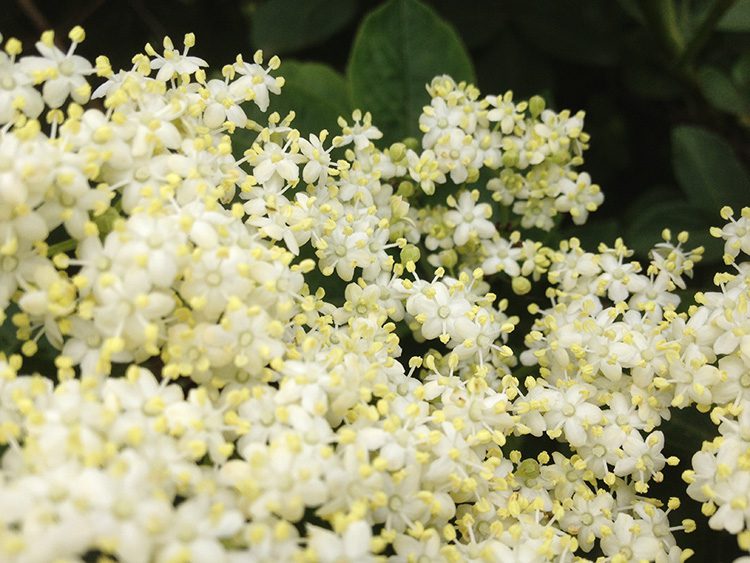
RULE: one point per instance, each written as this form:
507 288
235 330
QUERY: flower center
9 263
8 83
67 67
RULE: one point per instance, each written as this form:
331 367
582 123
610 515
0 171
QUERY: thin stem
62 246
704 31
661 16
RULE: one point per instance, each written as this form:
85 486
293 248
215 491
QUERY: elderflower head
190 354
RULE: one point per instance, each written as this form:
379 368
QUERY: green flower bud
398 152
410 253
536 106
411 143
521 286
405 189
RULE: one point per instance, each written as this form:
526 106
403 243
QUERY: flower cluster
203 400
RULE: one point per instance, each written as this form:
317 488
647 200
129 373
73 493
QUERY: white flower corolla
255 82
361 133
99 140
579 197
318 165
351 545
439 311
457 155
505 112
630 539
574 269
342 252
16 86
27 165
588 516
643 458
617 279
213 277
281 478
198 527
425 169
222 106
673 260
62 73
151 129
469 218
275 166
279 219
171 63
571 413
503 255
426 547
440 117
736 233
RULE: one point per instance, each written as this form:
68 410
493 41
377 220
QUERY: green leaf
474 26
741 72
707 170
655 195
737 18
399 48
645 230
315 92
650 82
721 93
281 26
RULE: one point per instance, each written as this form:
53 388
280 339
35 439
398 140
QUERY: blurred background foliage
665 85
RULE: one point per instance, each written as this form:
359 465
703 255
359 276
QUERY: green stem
704 31
62 246
661 17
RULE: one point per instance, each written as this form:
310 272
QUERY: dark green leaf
737 18
631 8
707 170
651 83
653 196
721 93
399 48
741 72
477 26
645 230
281 26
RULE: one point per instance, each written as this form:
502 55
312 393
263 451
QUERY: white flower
62 73
16 91
362 132
469 218
352 545
255 82
571 412
173 63
440 311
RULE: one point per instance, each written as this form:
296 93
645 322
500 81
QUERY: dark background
640 69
